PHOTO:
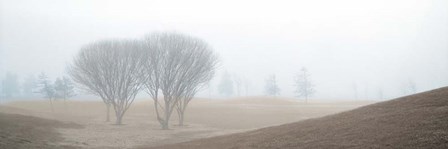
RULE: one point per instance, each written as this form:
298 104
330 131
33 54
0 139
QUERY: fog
373 45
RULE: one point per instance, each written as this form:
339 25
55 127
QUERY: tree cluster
302 83
11 87
233 83
170 67
60 89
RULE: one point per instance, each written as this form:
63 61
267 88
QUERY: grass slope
416 121
26 132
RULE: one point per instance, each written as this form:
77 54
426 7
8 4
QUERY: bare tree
271 87
196 74
304 86
177 66
111 70
46 89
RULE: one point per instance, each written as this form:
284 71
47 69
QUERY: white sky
371 43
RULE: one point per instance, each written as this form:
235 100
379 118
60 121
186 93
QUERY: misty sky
374 45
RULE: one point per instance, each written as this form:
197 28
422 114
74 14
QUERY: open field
204 118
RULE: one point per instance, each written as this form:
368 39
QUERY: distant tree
225 87
46 89
29 85
177 66
58 85
304 86
111 70
10 85
271 87
64 88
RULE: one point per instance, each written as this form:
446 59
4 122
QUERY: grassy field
204 118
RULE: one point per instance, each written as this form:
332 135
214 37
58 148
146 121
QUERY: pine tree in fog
64 88
304 86
271 87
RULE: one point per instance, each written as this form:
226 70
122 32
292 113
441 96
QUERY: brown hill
417 121
20 131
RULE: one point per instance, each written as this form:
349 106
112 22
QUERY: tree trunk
119 118
108 113
165 124
181 119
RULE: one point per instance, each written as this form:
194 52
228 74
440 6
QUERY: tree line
303 85
61 88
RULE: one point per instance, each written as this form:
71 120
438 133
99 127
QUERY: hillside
416 121
20 131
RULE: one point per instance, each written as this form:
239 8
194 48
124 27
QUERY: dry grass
418 121
19 131
205 118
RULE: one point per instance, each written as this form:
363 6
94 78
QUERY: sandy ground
204 118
